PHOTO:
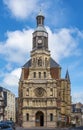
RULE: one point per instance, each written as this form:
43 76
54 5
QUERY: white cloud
21 8
63 43
9 67
11 79
17 46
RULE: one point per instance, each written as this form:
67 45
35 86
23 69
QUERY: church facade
44 97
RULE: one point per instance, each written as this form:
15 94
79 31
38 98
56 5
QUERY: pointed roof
67 76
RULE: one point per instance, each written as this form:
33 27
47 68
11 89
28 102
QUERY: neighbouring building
17 110
77 113
8 104
44 97
2 104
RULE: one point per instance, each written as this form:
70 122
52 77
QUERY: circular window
39 92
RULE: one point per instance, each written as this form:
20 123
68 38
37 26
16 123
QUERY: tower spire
67 76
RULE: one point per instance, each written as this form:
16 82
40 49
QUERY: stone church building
44 97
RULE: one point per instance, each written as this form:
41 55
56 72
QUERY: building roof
78 105
27 64
53 63
41 29
5 90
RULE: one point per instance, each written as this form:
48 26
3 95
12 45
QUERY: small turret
40 19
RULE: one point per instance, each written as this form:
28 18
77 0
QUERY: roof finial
40 12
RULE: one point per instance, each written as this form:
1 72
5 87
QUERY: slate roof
53 63
41 28
27 64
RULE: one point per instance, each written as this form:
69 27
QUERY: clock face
39 41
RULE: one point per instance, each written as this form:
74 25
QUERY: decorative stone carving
27 92
51 91
39 92
34 62
47 62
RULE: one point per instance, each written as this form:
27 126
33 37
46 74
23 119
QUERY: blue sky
64 23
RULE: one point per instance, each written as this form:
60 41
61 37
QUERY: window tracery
39 92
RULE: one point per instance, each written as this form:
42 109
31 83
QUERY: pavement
44 128
39 128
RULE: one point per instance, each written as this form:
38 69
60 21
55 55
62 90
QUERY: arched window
51 91
39 74
51 117
27 117
44 74
34 74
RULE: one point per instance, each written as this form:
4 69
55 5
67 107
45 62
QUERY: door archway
39 117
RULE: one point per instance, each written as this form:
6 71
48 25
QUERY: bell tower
40 35
40 55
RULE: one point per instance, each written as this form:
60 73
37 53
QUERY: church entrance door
39 119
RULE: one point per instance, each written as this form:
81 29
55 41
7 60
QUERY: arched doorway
39 118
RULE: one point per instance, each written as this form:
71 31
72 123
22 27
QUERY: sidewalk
40 128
